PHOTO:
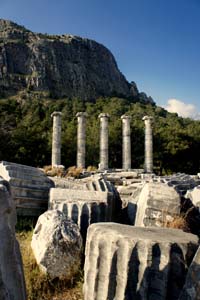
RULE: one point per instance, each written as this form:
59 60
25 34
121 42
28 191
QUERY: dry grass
179 222
54 171
74 172
39 286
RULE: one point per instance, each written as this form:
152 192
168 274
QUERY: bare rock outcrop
56 244
127 262
12 284
62 65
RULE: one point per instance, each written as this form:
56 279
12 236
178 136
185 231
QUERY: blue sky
156 42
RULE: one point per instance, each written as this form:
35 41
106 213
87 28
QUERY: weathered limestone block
157 204
191 289
99 183
194 196
29 186
129 196
127 192
125 262
56 244
12 284
121 177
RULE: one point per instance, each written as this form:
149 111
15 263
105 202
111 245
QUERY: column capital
147 118
126 117
56 113
104 115
81 114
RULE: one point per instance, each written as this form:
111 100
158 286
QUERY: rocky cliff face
63 66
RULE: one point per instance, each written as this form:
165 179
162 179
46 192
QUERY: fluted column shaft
81 139
148 164
103 141
56 139
126 142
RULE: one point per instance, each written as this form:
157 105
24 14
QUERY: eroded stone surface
191 289
56 244
194 196
12 284
126 262
180 181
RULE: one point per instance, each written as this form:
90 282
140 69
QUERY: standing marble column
126 142
148 165
103 165
56 139
81 137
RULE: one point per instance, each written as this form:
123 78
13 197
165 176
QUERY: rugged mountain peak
6 24
61 65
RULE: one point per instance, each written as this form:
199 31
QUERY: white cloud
185 110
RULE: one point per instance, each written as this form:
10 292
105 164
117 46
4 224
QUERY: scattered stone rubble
57 245
12 284
126 262
181 182
140 260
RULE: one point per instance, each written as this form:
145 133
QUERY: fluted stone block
126 142
30 187
157 204
131 263
191 289
103 165
56 138
95 183
83 207
81 139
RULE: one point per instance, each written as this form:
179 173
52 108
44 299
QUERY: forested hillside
26 128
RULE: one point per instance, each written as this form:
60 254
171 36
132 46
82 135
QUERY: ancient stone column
56 139
103 165
81 139
148 164
126 142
